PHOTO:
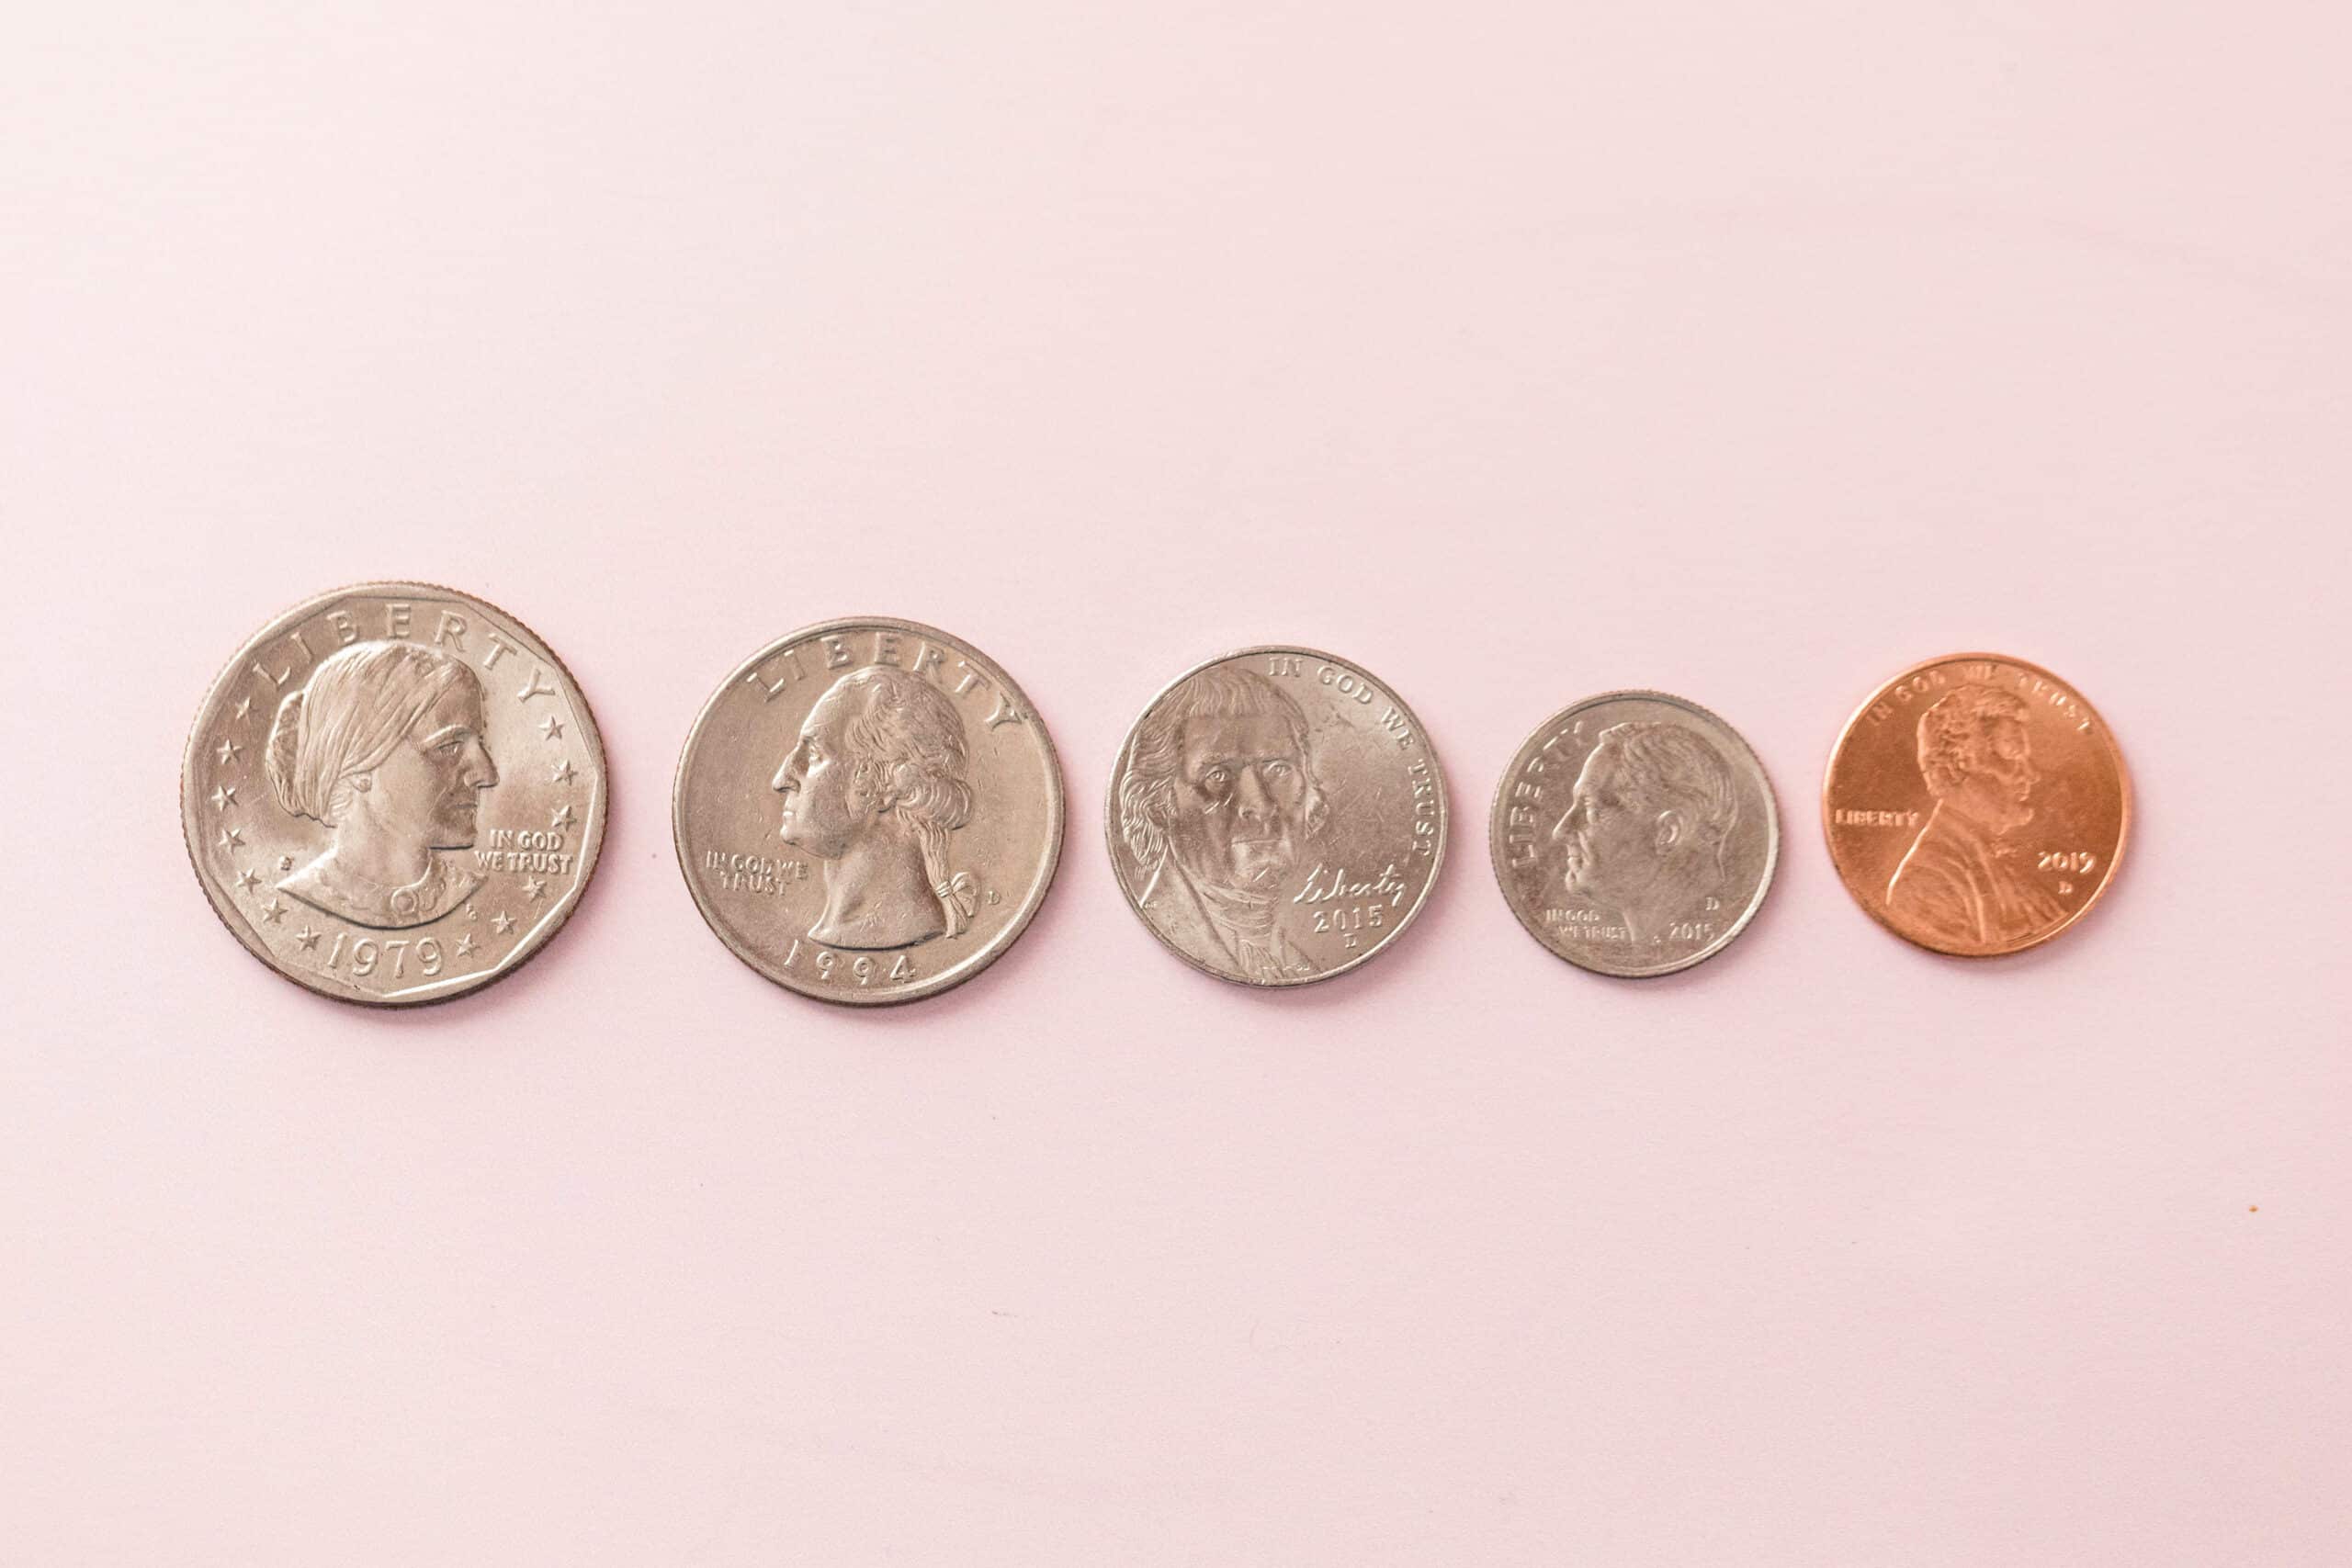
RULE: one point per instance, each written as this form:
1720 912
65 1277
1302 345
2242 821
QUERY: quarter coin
1976 804
868 811
1277 817
394 794
1634 834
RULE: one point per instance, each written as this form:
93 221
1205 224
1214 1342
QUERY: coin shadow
1012 967
2072 943
1760 931
461 1019
567 958
1410 958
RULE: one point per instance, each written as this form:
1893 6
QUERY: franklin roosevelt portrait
1218 805
875 785
1647 823
382 746
1962 880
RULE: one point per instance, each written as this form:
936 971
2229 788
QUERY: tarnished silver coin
1277 817
1634 834
868 811
394 794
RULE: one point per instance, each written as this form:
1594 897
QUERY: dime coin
1976 804
1635 834
1277 817
394 794
868 811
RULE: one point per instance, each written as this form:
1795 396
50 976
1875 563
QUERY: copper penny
1976 804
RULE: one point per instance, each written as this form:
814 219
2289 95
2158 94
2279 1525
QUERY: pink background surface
1750 352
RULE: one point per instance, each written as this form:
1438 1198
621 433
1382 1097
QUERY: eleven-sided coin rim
972 964
2123 804
1771 845
534 941
1437 863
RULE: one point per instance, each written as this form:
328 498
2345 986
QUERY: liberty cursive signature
1327 884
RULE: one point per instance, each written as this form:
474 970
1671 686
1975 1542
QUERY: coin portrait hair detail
1218 802
1961 880
1647 821
876 784
383 747
1634 834
912 821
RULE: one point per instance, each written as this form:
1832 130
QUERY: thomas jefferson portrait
1218 802
874 785
1647 823
383 748
1962 882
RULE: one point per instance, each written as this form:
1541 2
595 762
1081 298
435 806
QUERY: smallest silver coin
1634 834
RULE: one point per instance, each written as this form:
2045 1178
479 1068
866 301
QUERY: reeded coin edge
1437 863
533 940
973 964
2123 788
1771 845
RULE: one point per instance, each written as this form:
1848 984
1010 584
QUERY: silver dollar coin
868 811
1634 834
1277 817
394 794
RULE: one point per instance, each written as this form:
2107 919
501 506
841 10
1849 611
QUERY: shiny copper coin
1976 804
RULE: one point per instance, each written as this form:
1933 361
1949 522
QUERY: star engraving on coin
376 789
845 797
503 922
1976 804
1277 817
1634 834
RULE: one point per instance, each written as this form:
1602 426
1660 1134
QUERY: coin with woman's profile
1634 834
1277 817
868 811
394 794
